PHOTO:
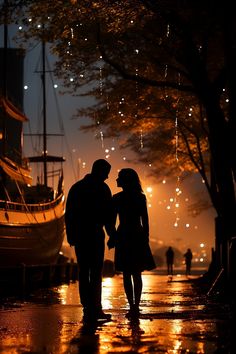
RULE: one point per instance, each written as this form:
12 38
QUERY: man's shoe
103 316
88 316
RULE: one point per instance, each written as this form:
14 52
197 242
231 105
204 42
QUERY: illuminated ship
31 216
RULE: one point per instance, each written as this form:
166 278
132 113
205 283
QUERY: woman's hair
129 179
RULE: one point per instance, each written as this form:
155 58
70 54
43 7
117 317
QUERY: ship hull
31 237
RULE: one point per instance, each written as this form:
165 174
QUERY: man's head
101 169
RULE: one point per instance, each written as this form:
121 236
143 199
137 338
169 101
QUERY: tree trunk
222 169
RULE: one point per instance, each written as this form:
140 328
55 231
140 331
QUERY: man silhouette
188 261
88 210
170 260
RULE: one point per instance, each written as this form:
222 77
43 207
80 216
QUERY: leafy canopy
145 62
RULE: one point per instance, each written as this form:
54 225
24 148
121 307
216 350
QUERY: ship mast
44 158
4 88
5 51
44 114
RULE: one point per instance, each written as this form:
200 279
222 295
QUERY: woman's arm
144 217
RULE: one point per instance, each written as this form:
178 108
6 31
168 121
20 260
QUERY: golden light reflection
107 292
62 291
177 346
58 328
176 328
147 281
68 294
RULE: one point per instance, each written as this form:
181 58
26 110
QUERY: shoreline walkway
175 318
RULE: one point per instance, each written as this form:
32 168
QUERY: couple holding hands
91 208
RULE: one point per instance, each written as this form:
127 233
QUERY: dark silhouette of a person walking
88 210
132 251
188 261
170 260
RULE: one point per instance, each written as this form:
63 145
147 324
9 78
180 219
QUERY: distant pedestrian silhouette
170 260
88 210
188 261
132 250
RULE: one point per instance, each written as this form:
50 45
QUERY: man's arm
70 217
110 224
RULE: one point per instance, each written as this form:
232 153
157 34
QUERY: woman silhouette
132 251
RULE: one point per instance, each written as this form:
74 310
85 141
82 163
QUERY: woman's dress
132 250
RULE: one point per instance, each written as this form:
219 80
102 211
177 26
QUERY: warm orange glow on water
68 295
169 321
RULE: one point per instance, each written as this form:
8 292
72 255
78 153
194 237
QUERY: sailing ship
31 216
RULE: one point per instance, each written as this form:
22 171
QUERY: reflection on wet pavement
174 319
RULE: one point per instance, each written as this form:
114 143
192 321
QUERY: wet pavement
175 318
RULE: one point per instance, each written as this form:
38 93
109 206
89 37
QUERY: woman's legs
133 289
128 286
138 286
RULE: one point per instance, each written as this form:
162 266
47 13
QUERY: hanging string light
101 94
175 200
136 103
100 79
141 139
168 30
177 186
